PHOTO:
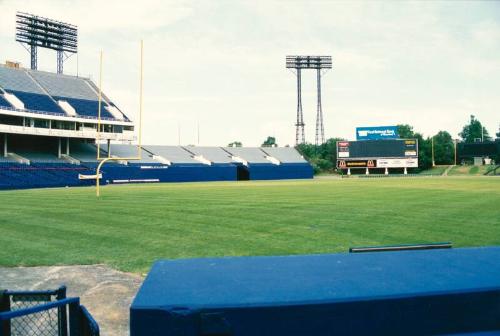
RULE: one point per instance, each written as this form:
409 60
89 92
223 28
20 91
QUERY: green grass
131 226
469 170
437 170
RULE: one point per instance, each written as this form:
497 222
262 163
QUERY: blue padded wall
173 173
42 175
37 102
264 171
87 107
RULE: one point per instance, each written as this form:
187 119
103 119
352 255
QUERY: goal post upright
139 146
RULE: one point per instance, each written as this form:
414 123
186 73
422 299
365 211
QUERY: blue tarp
398 293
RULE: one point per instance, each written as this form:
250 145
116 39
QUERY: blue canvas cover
390 293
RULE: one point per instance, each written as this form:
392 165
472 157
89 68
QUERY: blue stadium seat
37 102
4 102
86 107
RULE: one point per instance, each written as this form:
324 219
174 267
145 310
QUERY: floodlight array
46 33
309 62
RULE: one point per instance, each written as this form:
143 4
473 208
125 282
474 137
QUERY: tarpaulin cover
386 293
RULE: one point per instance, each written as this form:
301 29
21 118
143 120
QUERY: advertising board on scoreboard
377 133
395 153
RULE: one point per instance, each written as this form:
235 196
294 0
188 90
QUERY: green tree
498 134
235 144
474 130
270 142
444 149
323 158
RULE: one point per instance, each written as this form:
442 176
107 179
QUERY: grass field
131 226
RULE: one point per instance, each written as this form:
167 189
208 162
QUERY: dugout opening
242 173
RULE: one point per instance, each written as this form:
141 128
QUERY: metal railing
55 114
44 313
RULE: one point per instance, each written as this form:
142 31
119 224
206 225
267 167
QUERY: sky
219 66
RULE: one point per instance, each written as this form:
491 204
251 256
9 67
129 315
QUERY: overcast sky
221 64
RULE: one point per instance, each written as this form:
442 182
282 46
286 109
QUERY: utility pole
432 148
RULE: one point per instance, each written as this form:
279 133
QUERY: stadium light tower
34 31
320 64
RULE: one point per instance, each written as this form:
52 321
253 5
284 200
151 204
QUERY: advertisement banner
397 163
377 133
344 164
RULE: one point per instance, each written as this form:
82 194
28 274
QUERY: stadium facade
48 131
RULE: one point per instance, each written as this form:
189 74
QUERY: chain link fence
44 313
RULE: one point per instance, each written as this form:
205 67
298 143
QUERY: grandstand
48 131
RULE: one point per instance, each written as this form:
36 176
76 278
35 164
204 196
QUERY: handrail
36 309
55 114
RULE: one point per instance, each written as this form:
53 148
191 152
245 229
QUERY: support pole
432 149
299 126
5 145
320 131
60 61
367 171
34 57
349 171
386 171
98 135
455 142
67 146
59 148
406 171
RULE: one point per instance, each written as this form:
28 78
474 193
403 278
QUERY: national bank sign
377 133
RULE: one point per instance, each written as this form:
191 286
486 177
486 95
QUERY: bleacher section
47 170
285 154
174 154
20 84
284 163
213 154
40 91
84 152
130 151
4 102
159 164
74 90
249 154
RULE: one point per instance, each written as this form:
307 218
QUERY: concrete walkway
105 292
447 170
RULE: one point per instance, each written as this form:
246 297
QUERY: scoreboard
394 153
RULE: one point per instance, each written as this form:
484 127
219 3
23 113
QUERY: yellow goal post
103 160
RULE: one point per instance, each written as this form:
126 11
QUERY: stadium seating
130 151
83 152
213 154
88 108
20 84
4 102
249 154
41 175
40 91
284 154
174 154
76 91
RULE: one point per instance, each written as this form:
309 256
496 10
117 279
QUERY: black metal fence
44 313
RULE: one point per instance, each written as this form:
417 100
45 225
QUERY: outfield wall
46 175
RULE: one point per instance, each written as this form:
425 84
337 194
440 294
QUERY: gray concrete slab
105 292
